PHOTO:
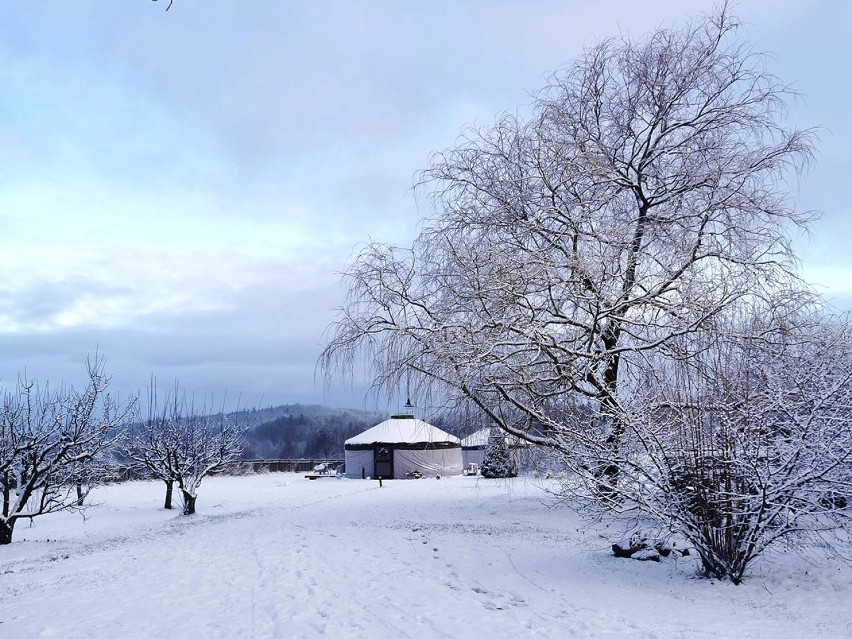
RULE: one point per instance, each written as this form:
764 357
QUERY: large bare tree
152 444
49 442
644 192
591 260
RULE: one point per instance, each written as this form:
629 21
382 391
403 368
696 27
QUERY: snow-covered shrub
743 444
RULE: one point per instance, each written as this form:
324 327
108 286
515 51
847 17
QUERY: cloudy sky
178 190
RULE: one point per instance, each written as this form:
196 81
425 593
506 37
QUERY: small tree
103 468
179 445
49 444
151 443
498 462
207 444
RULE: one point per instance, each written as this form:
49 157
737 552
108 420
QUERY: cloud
43 305
178 189
262 339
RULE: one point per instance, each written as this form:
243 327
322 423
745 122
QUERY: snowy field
279 556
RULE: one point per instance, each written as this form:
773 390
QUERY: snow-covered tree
741 439
181 445
587 257
497 462
153 448
208 444
643 194
50 444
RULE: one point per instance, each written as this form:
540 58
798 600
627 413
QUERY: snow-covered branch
180 444
53 445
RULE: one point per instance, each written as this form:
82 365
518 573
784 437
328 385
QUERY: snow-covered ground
279 556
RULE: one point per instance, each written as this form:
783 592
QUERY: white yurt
400 445
473 446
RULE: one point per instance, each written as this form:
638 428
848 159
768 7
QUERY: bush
498 462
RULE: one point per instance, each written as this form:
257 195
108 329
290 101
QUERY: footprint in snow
517 600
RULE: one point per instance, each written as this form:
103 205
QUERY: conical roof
480 438
402 429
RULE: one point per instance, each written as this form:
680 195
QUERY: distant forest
301 431
304 431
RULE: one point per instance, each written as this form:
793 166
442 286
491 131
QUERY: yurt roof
402 429
480 439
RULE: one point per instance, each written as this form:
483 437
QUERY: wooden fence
281 465
239 467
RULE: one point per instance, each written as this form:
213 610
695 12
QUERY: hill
295 431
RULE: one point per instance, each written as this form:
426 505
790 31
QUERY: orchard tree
152 443
50 444
208 444
642 194
182 445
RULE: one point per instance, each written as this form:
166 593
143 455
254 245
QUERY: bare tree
209 443
103 468
49 443
152 443
181 445
593 260
642 195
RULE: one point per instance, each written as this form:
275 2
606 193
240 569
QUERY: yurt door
384 462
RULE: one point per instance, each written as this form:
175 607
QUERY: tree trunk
608 485
169 484
5 494
188 503
80 495
6 532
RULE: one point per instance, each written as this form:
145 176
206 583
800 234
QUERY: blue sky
179 190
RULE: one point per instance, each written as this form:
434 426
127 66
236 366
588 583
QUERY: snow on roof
402 429
480 438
